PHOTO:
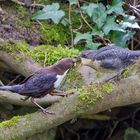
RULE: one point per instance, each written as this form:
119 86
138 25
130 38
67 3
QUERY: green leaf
121 38
90 9
96 31
115 7
99 15
111 25
85 36
50 12
65 21
125 25
131 134
73 2
92 45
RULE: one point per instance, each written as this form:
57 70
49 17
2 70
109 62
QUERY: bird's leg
115 76
59 93
44 110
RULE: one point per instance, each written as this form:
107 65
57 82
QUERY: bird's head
66 63
88 59
93 64
89 54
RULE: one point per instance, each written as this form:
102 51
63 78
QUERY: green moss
74 79
23 19
126 73
53 34
12 122
47 54
59 34
89 94
107 87
94 91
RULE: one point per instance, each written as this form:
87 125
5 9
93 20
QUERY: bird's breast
59 79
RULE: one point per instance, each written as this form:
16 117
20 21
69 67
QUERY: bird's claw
45 111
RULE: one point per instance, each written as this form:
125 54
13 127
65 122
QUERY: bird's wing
112 63
39 83
26 79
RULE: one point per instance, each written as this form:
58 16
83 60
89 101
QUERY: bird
110 57
43 82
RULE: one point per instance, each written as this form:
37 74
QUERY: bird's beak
76 60
90 63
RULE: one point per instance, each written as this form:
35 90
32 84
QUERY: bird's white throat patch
60 78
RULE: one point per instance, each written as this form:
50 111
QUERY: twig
18 2
36 4
13 80
1 83
80 27
84 17
71 30
135 10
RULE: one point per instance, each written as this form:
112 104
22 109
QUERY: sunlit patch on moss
53 34
45 54
11 122
126 73
107 87
95 91
74 79
48 54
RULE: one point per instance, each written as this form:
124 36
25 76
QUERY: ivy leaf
65 21
121 38
73 2
111 25
131 134
50 12
125 25
99 15
92 45
90 9
129 22
115 7
85 36
96 31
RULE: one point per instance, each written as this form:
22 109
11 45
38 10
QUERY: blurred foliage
49 54
107 23
131 134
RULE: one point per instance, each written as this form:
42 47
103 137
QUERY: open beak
76 60
90 63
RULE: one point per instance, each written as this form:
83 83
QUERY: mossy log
87 99
21 127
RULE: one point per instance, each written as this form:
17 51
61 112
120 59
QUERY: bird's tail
15 88
136 53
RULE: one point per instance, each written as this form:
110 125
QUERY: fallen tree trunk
87 99
69 108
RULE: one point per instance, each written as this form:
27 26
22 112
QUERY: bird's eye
83 55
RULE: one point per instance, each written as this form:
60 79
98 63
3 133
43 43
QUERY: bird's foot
62 94
46 111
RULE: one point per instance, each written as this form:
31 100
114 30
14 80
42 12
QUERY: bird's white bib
59 79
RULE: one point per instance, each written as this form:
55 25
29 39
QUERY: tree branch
69 108
87 99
